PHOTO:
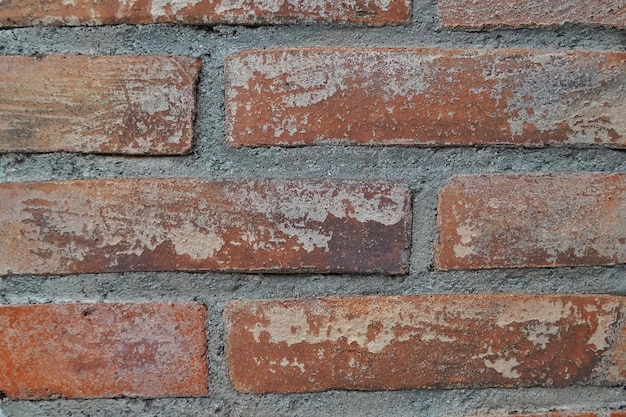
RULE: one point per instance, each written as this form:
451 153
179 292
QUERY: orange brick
194 225
505 221
425 97
103 350
493 14
603 413
424 342
558 414
113 104
202 12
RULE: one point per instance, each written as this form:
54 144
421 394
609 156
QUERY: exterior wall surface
479 161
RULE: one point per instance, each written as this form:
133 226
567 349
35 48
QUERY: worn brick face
518 220
114 104
432 342
425 97
199 12
194 225
603 413
102 350
493 14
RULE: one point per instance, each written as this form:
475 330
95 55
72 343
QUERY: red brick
517 220
603 413
201 12
425 97
194 225
493 14
103 350
424 342
114 104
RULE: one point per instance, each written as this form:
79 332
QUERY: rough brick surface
189 224
88 12
114 104
425 97
603 413
447 341
491 14
102 350
516 220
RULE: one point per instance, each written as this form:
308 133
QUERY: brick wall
313 208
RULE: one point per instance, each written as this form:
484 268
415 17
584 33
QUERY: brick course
103 350
426 97
194 225
603 413
202 12
492 14
432 342
541 220
115 104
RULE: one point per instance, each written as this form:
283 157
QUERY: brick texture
518 220
102 350
603 413
114 104
492 14
425 97
194 225
432 342
200 12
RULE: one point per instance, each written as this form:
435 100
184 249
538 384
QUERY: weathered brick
603 413
202 12
494 14
103 350
425 97
113 104
540 220
431 342
194 225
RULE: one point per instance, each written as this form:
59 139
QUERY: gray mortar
425 169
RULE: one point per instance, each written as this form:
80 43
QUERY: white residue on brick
323 8
589 217
393 322
226 6
562 89
543 311
539 333
285 362
304 78
314 201
308 238
504 367
105 222
299 209
467 235
599 339
160 7
190 240
383 4
462 251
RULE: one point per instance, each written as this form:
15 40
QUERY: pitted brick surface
114 104
418 342
491 14
103 350
425 97
532 220
202 12
195 225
